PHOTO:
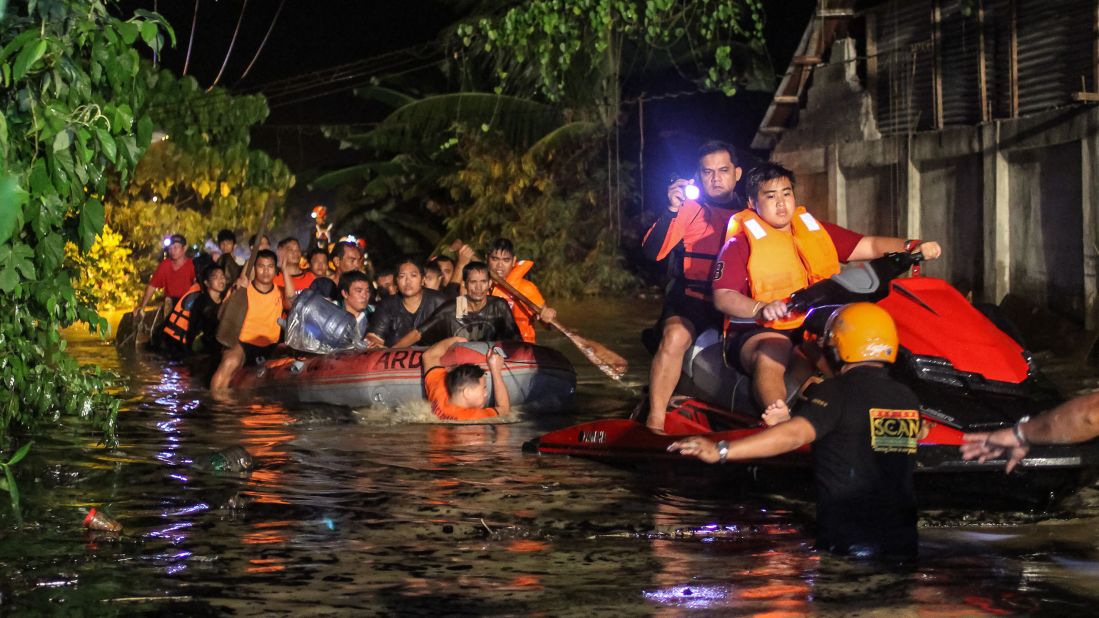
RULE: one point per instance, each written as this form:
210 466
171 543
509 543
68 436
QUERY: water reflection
351 517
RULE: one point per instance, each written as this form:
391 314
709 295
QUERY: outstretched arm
782 438
871 247
1076 420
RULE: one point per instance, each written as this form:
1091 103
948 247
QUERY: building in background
972 122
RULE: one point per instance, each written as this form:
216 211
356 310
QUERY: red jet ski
969 374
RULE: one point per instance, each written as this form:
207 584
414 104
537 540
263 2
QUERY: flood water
353 515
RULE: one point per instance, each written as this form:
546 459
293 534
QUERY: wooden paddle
235 307
611 364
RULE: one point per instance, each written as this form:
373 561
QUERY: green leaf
62 141
148 33
128 30
106 143
3 141
13 489
91 223
20 454
12 199
144 131
40 179
30 54
8 280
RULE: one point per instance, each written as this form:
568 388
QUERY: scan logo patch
894 431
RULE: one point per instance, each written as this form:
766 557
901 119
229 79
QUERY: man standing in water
174 275
864 427
259 332
690 232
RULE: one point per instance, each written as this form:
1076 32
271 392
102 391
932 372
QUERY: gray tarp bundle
318 325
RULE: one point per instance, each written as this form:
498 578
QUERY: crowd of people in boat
220 307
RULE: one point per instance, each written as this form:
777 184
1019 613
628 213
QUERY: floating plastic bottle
98 520
232 459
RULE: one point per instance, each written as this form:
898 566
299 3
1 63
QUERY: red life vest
179 320
702 231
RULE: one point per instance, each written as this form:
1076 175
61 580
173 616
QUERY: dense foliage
572 49
199 175
104 276
551 203
68 129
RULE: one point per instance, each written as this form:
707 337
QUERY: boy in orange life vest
259 334
776 248
461 392
691 233
502 262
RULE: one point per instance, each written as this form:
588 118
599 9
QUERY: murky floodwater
344 516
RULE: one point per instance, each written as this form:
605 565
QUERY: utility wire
191 41
232 42
263 42
321 75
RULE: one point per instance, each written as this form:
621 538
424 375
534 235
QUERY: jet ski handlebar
864 282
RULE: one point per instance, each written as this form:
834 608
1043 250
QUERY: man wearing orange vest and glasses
774 249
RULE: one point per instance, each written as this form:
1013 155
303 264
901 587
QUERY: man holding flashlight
690 231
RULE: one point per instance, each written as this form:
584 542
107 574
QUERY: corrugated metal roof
1056 52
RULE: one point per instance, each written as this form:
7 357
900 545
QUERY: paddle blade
611 364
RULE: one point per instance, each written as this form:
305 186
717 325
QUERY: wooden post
872 56
1013 61
982 77
936 64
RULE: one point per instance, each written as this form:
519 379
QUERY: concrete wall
950 196
1046 240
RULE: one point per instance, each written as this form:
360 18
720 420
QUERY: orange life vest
179 320
524 316
781 263
261 323
701 230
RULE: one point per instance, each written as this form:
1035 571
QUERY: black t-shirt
392 321
203 322
867 427
492 323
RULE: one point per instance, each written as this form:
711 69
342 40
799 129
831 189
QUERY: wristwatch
1018 431
722 451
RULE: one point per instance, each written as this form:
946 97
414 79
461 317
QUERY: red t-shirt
731 268
174 282
435 386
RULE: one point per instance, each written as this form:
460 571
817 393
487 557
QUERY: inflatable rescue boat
538 378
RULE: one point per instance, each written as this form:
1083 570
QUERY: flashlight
313 215
691 192
167 241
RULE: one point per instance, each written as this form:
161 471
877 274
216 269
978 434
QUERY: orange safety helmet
862 332
319 212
